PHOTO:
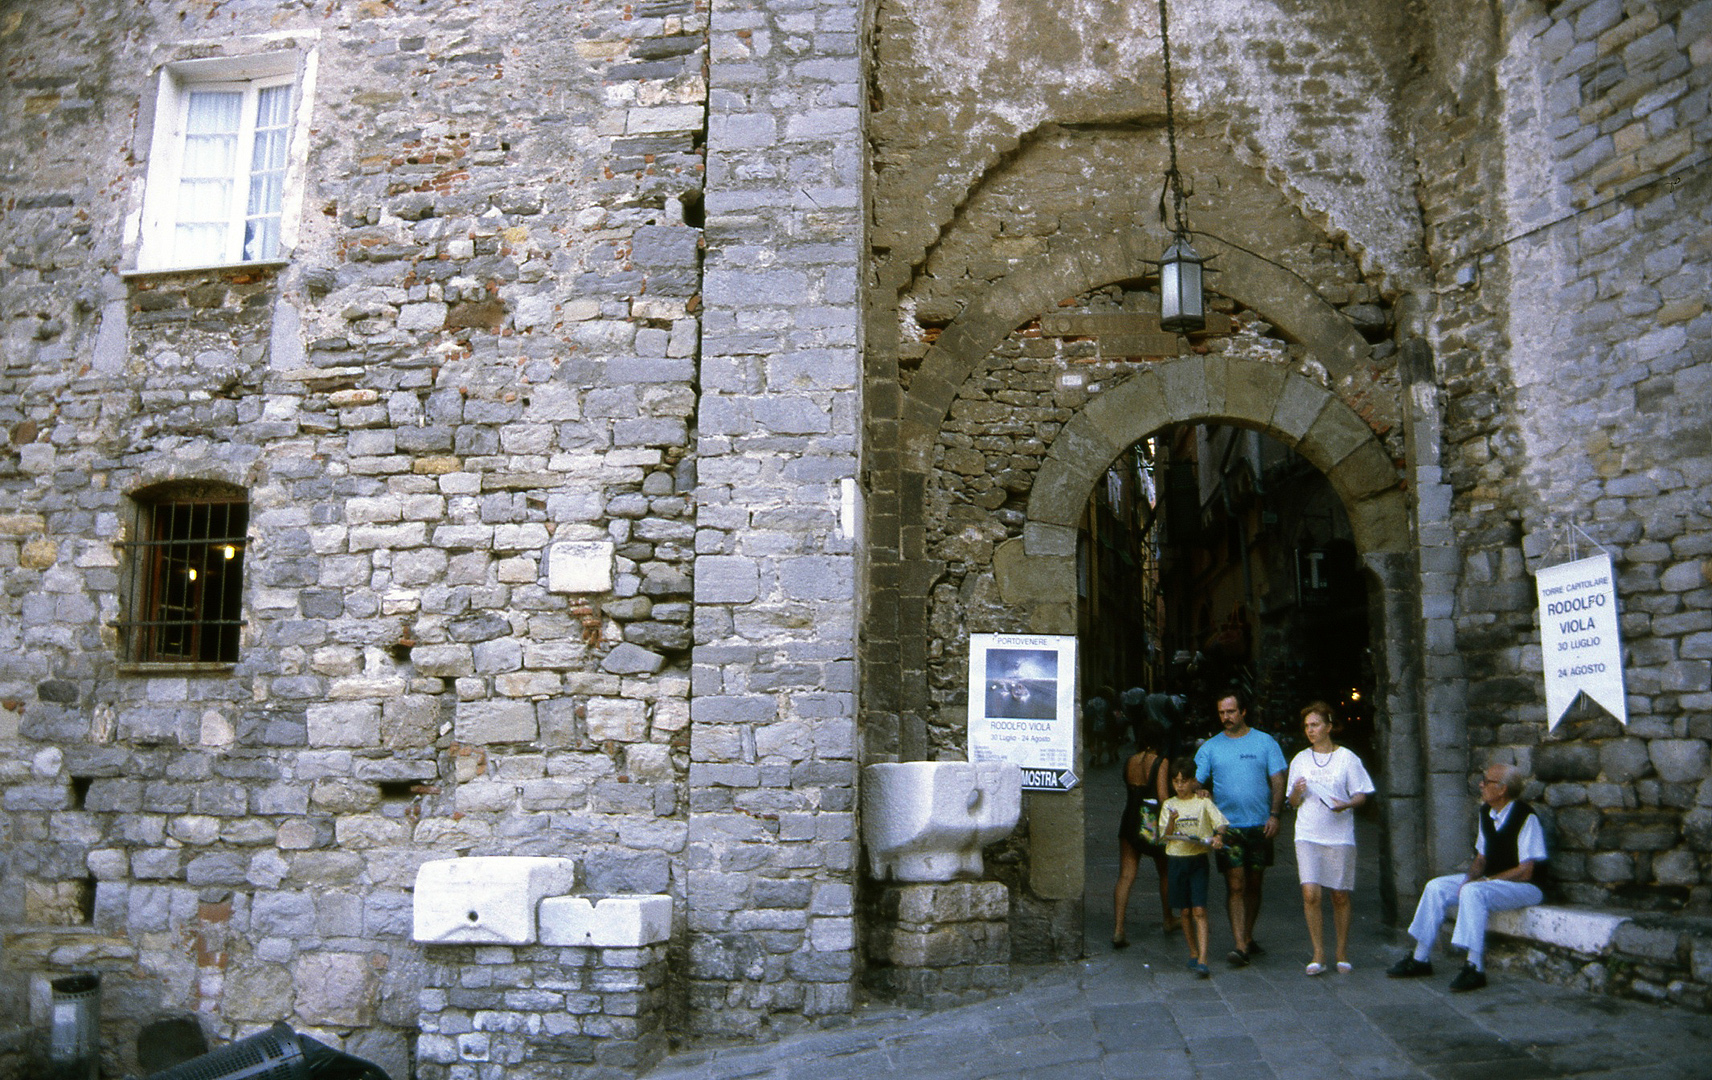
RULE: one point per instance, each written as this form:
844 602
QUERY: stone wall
541 1012
1566 242
773 757
483 344
744 297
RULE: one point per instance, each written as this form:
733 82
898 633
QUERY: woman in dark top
1147 778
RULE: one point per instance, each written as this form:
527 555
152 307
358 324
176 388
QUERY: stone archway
1037 571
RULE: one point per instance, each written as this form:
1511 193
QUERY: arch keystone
1186 387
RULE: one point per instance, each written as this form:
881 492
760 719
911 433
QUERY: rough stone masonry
643 402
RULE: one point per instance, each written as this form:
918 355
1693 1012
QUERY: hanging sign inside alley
1022 706
1578 637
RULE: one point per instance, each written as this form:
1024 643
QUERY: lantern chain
1173 178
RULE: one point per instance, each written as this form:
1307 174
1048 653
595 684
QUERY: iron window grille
187 580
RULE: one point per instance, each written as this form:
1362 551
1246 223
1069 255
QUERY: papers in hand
1324 794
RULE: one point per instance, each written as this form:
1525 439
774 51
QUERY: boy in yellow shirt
1191 825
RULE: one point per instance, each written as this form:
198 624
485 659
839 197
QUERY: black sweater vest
1501 843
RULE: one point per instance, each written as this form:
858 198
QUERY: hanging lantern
1181 308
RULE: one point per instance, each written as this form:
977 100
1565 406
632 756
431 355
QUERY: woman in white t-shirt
1326 783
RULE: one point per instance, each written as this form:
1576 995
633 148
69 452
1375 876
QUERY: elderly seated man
1509 843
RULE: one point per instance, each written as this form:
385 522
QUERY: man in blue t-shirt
1245 769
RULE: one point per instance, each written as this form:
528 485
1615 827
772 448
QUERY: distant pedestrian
1327 782
1191 824
1507 845
1147 783
1100 715
1246 770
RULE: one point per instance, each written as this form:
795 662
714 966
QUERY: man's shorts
1186 881
1247 848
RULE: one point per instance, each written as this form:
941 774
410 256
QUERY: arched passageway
1012 560
1036 572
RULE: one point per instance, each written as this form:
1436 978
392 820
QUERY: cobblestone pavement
1138 1013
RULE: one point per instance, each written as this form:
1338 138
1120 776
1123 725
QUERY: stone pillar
771 846
933 945
537 1012
1440 757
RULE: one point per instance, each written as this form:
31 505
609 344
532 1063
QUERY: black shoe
1120 943
1409 968
1469 978
1254 949
1237 958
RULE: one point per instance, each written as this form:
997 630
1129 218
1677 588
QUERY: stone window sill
266 265
192 668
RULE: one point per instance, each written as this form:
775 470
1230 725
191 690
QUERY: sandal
1315 968
1344 967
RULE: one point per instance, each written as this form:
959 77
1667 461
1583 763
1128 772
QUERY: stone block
630 659
618 720
1566 761
491 722
726 579
1636 938
335 989
489 899
611 922
969 901
1623 760
343 723
1299 406
1679 761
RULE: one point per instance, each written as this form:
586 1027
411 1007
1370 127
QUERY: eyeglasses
1495 783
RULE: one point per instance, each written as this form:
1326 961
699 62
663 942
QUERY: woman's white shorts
1330 866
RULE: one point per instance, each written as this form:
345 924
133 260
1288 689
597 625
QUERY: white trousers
1473 903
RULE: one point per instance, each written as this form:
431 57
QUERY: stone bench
1651 956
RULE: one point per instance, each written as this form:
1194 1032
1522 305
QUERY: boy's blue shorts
1186 881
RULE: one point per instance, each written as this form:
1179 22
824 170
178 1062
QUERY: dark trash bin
278 1053
74 1035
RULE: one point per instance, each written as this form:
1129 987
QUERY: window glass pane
214 112
208 156
200 244
266 190
261 238
232 165
204 200
273 108
208 168
269 154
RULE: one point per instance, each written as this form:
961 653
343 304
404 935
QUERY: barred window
187 576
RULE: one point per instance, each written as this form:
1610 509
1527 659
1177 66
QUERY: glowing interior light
1355 695
192 575
230 552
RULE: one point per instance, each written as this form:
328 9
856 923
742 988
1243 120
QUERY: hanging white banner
1579 641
